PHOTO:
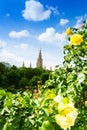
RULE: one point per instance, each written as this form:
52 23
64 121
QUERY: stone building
39 60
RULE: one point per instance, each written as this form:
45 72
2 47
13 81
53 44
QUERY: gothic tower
39 60
23 65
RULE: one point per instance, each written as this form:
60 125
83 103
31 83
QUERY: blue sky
26 26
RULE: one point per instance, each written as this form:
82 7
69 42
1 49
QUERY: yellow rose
67 116
68 31
61 121
76 39
67 110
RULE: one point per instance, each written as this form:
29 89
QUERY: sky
26 26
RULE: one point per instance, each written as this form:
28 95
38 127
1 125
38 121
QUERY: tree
44 77
33 81
2 68
23 82
7 65
13 78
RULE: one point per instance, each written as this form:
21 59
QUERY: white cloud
9 57
54 10
51 36
35 11
79 20
22 33
23 46
63 22
15 54
2 44
14 58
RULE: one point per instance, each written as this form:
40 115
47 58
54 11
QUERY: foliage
44 77
64 106
70 80
34 80
18 78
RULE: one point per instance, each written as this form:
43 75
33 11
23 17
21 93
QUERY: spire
40 55
23 64
30 66
39 60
